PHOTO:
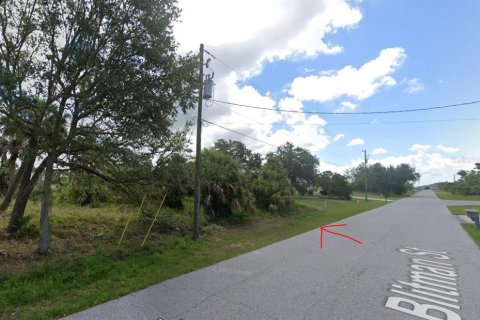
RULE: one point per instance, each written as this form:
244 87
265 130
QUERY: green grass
459 210
473 231
451 196
380 196
59 288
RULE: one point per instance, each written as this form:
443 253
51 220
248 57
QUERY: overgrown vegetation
89 93
386 181
468 183
87 86
71 281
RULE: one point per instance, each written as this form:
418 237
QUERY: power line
237 72
353 113
335 164
239 133
267 143
254 84
355 123
266 125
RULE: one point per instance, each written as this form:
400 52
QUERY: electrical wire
335 164
239 133
267 143
353 123
254 84
237 72
353 113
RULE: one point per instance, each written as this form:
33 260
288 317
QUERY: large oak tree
81 80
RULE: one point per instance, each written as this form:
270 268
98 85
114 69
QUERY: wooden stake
156 215
128 222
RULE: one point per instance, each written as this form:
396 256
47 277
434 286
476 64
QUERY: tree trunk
46 207
26 188
23 175
14 151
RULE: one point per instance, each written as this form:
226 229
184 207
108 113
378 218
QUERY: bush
225 190
273 189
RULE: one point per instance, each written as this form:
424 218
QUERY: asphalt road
294 279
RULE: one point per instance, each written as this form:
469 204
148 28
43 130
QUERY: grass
451 196
473 231
470 228
459 210
92 272
380 196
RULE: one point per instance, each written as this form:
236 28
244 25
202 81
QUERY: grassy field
459 210
473 231
450 196
84 268
379 196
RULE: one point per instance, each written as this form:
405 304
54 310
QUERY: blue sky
345 56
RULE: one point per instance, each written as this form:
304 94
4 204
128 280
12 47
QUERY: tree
80 78
324 181
469 183
462 174
335 185
404 175
300 165
396 180
224 189
249 160
273 188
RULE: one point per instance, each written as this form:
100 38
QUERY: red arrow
324 228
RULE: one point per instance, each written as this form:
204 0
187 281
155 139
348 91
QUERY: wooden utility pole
365 173
198 157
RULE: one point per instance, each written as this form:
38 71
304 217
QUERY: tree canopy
467 184
300 164
385 180
84 81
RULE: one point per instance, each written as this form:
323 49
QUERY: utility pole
198 157
365 173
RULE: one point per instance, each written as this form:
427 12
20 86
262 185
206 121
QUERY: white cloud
247 35
377 151
329 166
338 137
420 147
288 29
356 142
414 85
356 83
446 149
433 167
347 106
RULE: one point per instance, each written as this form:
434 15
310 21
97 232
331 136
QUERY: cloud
338 137
420 147
446 149
413 85
289 31
378 151
358 83
347 106
356 142
433 167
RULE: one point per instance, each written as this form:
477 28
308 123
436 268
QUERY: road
415 262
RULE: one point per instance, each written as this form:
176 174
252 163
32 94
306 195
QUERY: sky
325 75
